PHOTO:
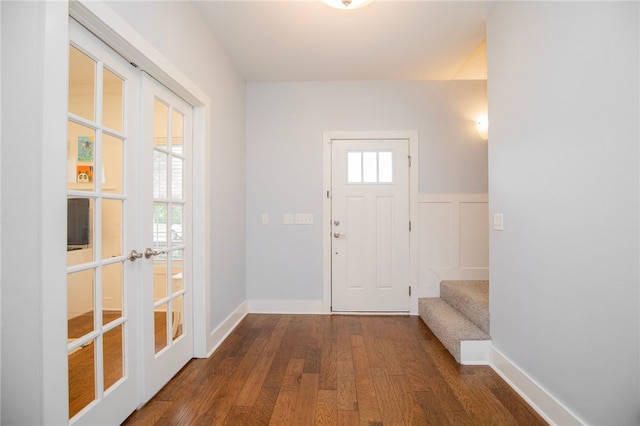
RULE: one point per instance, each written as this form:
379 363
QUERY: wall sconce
346 4
482 124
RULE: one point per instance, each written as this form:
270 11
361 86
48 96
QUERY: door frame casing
412 137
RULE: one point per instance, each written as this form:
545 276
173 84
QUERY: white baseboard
263 306
474 352
540 400
225 328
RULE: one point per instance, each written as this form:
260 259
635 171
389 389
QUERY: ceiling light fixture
346 4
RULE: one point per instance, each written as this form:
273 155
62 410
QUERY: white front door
102 281
167 289
370 225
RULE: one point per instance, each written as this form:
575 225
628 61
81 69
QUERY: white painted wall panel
474 235
436 235
453 239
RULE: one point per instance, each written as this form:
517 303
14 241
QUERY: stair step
470 298
450 326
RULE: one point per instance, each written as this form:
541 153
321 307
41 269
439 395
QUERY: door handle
149 252
338 235
134 255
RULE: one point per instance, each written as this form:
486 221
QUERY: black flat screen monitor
78 215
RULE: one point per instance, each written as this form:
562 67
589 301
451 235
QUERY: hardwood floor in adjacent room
334 370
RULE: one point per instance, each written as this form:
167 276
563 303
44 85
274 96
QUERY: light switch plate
304 219
288 218
265 218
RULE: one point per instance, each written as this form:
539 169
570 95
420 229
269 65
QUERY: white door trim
412 137
100 19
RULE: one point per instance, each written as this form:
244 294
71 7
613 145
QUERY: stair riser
452 328
470 298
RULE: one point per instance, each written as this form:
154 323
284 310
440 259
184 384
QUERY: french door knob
338 235
149 252
134 255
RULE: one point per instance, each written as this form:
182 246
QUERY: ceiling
305 40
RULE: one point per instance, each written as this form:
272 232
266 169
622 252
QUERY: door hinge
409 226
409 157
409 291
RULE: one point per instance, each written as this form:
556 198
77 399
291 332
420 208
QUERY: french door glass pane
112 100
177 255
112 287
80 152
176 225
160 226
82 383
82 77
177 307
112 164
80 303
159 278
160 326
160 123
177 165
111 228
79 230
176 271
177 126
160 175
113 356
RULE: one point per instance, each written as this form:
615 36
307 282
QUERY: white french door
370 225
102 283
166 187
129 293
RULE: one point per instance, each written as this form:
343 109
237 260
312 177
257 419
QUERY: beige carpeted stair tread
449 325
470 298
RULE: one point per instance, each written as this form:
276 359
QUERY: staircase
460 319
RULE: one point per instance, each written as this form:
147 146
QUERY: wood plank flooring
334 370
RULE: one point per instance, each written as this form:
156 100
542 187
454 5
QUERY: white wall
177 31
24 210
285 125
563 155
32 113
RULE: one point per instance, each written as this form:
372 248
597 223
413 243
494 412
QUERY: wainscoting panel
453 240
474 235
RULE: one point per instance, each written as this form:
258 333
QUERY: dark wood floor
334 370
